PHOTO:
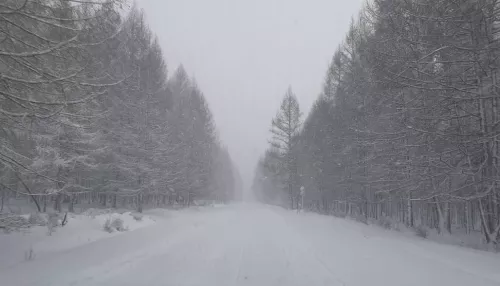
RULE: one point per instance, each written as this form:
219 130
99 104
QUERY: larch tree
285 128
88 112
48 89
406 126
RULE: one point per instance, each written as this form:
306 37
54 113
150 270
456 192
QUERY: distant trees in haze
406 127
88 112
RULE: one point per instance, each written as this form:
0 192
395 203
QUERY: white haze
245 54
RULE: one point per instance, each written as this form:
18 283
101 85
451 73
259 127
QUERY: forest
406 127
90 116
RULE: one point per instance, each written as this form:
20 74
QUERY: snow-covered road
258 245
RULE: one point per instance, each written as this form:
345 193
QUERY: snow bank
349 247
81 229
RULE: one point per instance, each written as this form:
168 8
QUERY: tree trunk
402 210
139 203
440 217
3 198
71 206
467 217
410 211
491 234
114 201
29 192
58 203
448 217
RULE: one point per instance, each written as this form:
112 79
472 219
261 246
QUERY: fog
245 54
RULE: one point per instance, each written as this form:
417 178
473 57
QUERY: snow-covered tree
406 126
285 128
88 111
49 86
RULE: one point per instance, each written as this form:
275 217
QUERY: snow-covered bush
107 226
52 223
361 218
29 254
421 231
137 216
113 224
12 222
385 222
339 214
93 212
117 223
37 219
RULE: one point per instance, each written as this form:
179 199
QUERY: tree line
88 113
407 124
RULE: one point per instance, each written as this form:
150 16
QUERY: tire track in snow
242 249
308 251
241 255
102 272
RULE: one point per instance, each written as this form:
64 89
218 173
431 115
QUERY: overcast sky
244 55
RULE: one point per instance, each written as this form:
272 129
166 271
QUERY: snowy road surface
258 245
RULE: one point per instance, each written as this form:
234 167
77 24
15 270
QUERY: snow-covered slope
81 229
258 245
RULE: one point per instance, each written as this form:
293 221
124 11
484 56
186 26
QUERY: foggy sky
244 55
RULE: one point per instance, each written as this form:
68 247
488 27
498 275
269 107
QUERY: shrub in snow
340 214
12 222
29 254
107 226
396 226
361 218
385 222
117 223
37 219
64 220
92 212
52 223
113 224
137 217
421 231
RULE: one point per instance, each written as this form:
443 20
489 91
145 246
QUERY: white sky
244 55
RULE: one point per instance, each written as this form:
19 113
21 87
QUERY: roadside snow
368 254
257 245
81 229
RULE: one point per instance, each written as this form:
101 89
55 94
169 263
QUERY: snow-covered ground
81 229
256 245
